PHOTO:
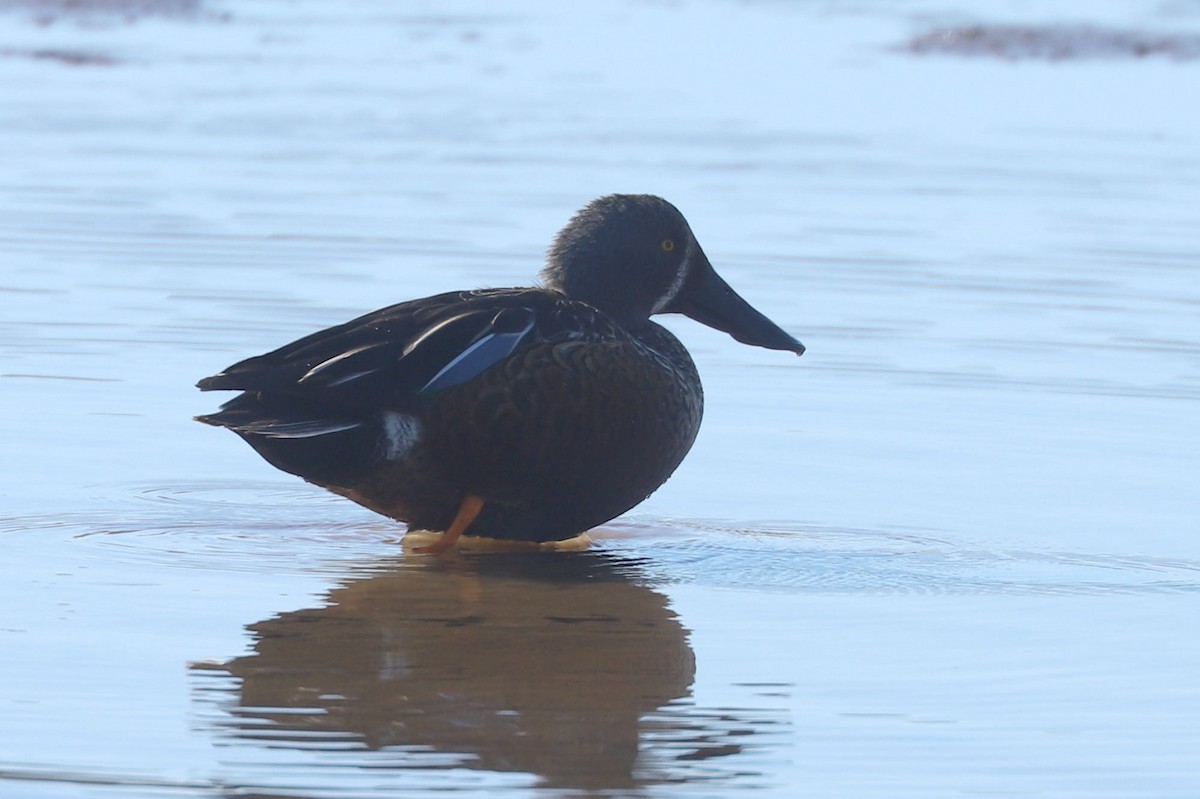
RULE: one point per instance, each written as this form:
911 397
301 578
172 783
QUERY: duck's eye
667 244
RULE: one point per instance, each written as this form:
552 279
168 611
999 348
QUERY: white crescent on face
681 276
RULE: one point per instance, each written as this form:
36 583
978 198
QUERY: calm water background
953 551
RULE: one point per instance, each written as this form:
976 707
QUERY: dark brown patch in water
75 58
1052 43
49 12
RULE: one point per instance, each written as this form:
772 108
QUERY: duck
519 414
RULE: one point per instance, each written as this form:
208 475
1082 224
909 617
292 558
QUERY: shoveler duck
526 414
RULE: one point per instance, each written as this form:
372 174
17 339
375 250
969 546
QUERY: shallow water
951 551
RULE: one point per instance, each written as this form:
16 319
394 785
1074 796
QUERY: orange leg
467 511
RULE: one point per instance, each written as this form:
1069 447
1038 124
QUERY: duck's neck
670 349
593 275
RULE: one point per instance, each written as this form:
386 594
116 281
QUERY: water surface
952 551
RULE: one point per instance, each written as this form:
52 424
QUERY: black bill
709 300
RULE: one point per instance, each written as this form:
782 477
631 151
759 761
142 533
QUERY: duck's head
633 255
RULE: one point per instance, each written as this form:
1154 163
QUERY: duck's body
525 414
578 424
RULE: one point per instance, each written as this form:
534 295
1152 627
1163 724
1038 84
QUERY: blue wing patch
504 334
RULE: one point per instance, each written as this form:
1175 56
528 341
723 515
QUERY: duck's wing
328 406
400 356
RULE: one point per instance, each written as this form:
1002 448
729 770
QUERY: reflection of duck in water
523 414
543 663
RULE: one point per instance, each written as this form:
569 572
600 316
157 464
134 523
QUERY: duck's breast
583 429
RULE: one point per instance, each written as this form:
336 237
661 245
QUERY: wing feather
401 356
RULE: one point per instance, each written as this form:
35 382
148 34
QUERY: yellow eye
668 245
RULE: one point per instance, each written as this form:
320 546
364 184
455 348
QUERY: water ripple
864 561
248 527
242 527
